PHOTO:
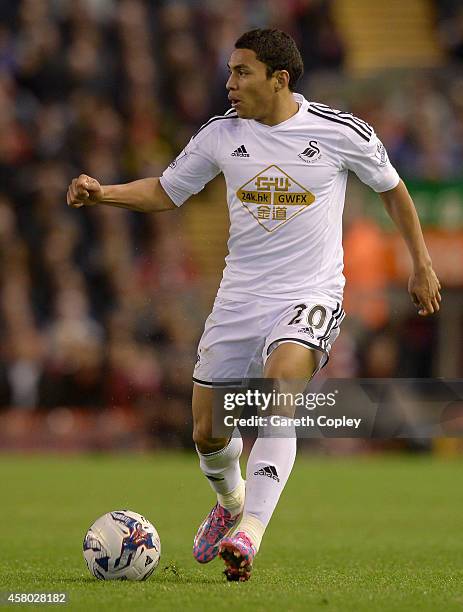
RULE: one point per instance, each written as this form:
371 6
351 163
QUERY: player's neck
284 108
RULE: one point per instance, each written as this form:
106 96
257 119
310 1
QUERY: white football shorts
239 336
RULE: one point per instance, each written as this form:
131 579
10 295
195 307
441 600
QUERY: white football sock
222 469
253 528
269 466
233 501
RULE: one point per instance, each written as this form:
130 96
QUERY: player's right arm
144 195
195 166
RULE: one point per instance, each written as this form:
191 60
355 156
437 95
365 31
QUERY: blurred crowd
101 306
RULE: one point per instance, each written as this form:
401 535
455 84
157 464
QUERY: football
122 545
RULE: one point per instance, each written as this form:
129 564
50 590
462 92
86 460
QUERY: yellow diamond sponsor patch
272 197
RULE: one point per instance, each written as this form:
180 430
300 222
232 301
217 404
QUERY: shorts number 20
315 317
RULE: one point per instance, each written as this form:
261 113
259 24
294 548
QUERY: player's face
250 90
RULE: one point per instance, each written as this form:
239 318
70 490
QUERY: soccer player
279 306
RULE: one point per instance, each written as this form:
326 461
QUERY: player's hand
424 289
84 191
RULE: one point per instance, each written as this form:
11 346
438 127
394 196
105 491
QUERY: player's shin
222 469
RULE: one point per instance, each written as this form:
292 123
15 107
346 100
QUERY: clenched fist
424 289
84 191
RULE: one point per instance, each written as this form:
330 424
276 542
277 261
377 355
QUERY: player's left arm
423 285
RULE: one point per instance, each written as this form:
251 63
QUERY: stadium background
101 309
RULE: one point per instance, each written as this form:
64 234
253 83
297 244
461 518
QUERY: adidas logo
240 152
306 330
268 470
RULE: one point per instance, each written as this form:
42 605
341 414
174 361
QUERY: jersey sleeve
369 160
192 169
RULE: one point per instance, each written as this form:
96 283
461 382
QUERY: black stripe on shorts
221 383
334 315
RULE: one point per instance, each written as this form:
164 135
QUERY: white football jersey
285 190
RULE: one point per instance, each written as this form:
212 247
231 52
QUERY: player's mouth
234 102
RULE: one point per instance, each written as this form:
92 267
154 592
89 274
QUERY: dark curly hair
276 49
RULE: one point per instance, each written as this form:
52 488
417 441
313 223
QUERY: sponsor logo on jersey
312 153
240 152
272 197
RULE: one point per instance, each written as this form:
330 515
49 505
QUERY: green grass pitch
374 533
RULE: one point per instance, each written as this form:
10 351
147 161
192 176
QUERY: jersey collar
303 105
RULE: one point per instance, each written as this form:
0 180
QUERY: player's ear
281 79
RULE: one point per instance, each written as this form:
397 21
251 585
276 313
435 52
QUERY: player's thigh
299 343
202 404
291 366
291 361
313 326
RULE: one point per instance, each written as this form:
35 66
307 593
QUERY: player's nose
231 83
